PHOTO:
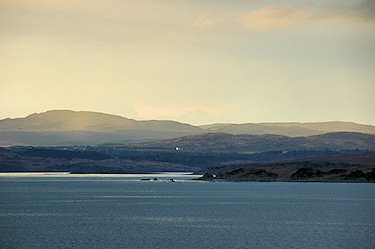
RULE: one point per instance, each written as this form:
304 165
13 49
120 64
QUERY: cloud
204 20
285 16
277 16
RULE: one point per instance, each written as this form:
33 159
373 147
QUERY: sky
232 61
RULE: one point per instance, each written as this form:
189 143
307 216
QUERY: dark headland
347 168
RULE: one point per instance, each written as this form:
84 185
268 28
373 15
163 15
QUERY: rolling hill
66 120
223 142
64 127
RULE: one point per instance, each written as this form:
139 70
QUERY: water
122 212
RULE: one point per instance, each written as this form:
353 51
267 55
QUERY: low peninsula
349 168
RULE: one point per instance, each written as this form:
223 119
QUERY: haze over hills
65 127
292 129
66 120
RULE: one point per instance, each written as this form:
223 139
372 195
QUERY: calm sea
61 211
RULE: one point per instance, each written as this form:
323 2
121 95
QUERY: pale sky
193 61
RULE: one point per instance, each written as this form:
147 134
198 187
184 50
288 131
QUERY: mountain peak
70 113
68 120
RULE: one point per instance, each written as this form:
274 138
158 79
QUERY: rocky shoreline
270 174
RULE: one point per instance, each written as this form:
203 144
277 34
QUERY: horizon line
184 122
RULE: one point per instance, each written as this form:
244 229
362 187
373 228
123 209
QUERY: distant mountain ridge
291 129
65 127
223 142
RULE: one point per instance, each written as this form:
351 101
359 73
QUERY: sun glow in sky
192 61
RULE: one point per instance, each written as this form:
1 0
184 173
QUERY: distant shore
353 174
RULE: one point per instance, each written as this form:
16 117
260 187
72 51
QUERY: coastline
280 181
177 176
355 174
